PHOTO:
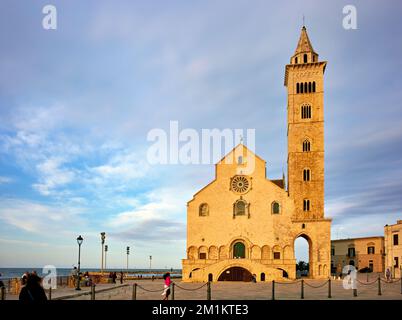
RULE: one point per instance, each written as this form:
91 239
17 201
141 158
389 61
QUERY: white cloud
4 180
39 218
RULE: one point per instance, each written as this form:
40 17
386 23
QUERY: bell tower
304 80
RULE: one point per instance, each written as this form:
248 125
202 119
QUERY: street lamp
150 263
128 252
103 237
106 248
79 241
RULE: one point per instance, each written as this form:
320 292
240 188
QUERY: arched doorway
239 250
236 274
302 253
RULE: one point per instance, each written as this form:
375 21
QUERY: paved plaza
313 290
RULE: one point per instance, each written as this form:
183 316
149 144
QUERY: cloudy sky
76 105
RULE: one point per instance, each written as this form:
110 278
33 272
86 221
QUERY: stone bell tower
304 79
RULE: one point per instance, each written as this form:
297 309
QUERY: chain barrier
188 289
392 281
141 287
316 287
366 283
290 282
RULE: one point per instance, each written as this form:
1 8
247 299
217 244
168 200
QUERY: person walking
388 275
33 290
121 277
166 287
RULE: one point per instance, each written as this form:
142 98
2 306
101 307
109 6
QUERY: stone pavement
241 290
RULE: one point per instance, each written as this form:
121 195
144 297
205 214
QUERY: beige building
242 223
393 248
367 252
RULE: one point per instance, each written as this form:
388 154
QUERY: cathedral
243 225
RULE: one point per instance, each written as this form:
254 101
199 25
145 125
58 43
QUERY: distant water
7 273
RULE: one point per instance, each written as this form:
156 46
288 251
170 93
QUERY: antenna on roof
303 21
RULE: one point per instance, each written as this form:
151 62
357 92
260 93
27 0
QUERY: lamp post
79 241
128 252
103 237
106 248
150 263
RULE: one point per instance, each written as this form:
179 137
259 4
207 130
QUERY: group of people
113 276
32 289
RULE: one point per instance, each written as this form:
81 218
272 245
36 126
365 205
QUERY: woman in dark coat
33 290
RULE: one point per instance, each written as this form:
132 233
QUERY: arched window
239 250
313 58
240 208
276 208
296 60
305 58
203 210
306 205
301 87
313 86
306 145
306 111
297 88
240 160
309 87
306 175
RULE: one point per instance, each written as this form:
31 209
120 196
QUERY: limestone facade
367 252
243 223
393 248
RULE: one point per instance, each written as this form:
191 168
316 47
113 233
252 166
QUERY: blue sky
76 105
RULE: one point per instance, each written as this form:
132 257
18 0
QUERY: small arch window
203 210
305 58
297 88
306 111
306 146
306 175
306 205
313 86
240 160
240 208
296 60
276 208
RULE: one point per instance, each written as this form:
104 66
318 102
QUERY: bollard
273 289
302 289
209 290
3 293
367 277
329 288
93 292
134 292
355 292
379 285
172 286
50 293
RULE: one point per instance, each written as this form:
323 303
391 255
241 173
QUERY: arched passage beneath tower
302 248
236 274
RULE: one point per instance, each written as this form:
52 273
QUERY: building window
296 60
396 240
240 160
370 250
239 250
351 252
309 87
305 58
396 265
276 208
306 146
313 86
306 175
301 87
277 255
203 255
305 87
306 205
203 210
371 265
306 112
297 88
240 208
332 251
